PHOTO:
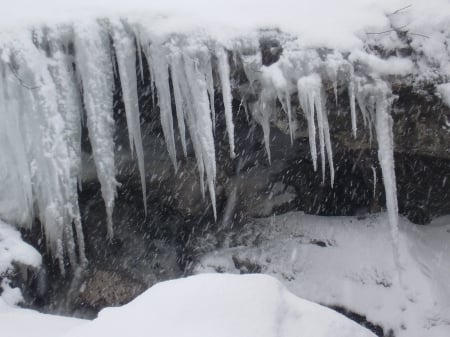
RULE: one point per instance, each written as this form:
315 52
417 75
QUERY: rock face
179 225
104 288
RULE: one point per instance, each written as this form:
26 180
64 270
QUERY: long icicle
224 74
69 104
93 60
194 64
126 59
180 102
157 59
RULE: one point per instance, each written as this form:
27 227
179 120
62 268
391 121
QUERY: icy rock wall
54 79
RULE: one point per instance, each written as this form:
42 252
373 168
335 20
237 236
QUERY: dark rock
105 288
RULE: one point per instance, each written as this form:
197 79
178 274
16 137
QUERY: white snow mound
221 305
14 249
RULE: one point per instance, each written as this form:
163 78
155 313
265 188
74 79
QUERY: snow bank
350 262
17 322
221 306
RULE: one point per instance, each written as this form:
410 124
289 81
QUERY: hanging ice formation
380 102
224 74
94 66
310 97
124 46
50 79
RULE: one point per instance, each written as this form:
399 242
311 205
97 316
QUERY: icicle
351 96
185 106
275 76
157 59
274 86
191 99
335 89
16 204
366 104
224 74
385 140
93 59
51 137
328 147
333 63
195 74
310 96
174 64
307 104
374 173
320 125
289 114
210 85
261 112
139 53
126 60
69 104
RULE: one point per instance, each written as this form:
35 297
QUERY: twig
394 29
20 80
400 10
425 36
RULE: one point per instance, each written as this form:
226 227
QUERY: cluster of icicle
53 80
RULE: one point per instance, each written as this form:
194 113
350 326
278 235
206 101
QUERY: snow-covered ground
350 262
18 322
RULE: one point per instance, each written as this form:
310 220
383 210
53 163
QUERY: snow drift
222 306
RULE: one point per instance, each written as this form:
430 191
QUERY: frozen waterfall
54 79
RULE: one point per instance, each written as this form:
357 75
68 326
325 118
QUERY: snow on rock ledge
14 251
221 306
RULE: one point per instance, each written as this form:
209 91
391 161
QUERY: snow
350 262
223 306
18 322
444 91
337 27
13 252
390 66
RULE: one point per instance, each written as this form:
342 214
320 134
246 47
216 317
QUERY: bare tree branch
400 10
394 29
425 36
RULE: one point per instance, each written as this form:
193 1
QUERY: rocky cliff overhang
380 83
